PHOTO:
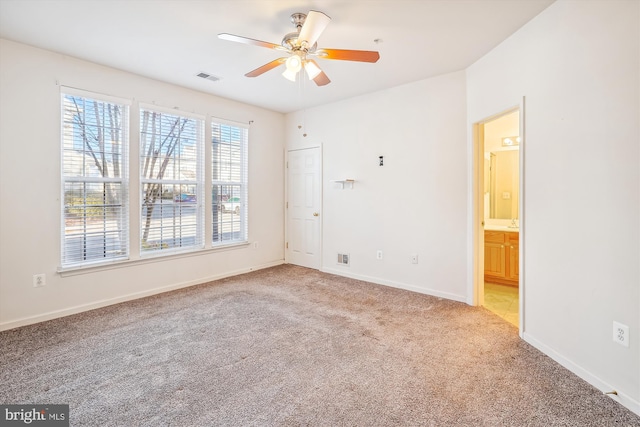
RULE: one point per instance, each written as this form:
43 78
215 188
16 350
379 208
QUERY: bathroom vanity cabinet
501 257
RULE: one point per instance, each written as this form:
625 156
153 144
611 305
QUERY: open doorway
498 212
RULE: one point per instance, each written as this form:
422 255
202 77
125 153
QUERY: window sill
147 259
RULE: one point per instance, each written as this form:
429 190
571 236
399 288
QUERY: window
171 182
95 226
174 194
229 183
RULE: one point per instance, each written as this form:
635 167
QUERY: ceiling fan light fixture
311 69
294 63
290 75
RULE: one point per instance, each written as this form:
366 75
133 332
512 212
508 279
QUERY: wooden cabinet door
501 257
494 259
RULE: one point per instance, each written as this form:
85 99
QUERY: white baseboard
129 297
622 398
393 284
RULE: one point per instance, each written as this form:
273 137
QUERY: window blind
229 162
95 219
171 182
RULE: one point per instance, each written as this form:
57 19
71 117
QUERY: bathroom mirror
502 183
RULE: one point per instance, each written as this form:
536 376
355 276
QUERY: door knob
316 214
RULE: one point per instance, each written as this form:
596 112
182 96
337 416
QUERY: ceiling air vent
208 76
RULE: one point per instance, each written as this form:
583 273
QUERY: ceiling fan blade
266 67
349 55
313 26
322 79
246 40
311 67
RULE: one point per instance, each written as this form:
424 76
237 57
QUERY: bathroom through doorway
498 203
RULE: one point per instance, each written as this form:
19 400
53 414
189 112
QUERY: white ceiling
173 40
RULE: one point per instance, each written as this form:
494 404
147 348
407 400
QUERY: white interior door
304 207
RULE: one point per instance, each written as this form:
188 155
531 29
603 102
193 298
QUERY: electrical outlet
414 258
379 255
621 334
39 280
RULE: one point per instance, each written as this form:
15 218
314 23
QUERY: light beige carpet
292 346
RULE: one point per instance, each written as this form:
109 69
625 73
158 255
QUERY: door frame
477 225
286 200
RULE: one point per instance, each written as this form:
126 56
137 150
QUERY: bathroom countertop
489 227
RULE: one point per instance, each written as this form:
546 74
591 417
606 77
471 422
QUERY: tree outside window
171 181
95 209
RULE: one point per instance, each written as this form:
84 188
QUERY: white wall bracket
344 182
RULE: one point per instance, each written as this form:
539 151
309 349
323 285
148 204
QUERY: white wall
415 203
30 188
577 64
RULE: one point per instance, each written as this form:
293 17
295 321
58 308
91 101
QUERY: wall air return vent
343 259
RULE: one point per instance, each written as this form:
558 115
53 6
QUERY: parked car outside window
184 198
231 205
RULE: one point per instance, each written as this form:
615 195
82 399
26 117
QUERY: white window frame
132 222
124 231
199 183
243 183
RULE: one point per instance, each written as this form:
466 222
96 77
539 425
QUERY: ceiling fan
300 45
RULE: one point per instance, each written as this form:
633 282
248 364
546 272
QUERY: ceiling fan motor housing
298 19
290 41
